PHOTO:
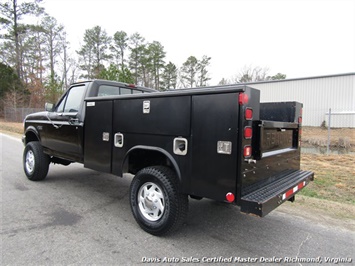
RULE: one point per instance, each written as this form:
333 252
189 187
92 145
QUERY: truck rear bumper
260 199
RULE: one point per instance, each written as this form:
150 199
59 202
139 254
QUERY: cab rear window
107 90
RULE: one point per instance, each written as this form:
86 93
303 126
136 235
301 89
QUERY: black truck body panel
98 141
218 140
214 118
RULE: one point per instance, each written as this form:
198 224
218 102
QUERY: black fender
31 134
156 149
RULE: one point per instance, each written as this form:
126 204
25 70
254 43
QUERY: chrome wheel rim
151 201
30 162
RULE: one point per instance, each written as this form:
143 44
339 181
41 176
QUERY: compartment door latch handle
119 140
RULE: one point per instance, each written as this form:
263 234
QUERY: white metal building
318 95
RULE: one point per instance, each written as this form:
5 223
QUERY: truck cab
60 128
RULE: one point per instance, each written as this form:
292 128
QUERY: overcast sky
297 38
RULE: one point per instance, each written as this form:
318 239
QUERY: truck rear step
261 198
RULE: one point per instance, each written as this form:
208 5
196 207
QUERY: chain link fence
336 134
18 114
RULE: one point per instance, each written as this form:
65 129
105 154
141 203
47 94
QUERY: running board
273 193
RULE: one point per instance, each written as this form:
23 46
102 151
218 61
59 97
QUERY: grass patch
334 177
9 127
309 192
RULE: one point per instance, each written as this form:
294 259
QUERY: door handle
73 121
119 140
180 146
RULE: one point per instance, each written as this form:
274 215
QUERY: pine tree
137 48
169 77
202 71
93 53
188 72
11 16
118 48
157 55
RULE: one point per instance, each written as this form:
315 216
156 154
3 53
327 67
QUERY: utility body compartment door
214 145
150 123
98 140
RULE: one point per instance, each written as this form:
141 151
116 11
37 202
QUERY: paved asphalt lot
78 216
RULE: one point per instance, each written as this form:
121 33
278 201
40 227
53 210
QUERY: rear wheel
156 201
35 162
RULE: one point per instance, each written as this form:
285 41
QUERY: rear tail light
230 197
300 128
248 114
248 132
247 151
243 98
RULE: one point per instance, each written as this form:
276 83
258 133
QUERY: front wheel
35 162
156 201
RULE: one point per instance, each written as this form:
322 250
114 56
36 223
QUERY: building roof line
295 79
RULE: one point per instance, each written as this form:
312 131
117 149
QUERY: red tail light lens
248 114
248 132
247 151
230 197
243 98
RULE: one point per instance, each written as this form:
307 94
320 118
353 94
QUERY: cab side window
71 102
126 91
60 107
107 90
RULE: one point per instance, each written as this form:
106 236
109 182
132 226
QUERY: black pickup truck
219 143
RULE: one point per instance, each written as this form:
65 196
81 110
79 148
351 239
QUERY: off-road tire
35 162
162 182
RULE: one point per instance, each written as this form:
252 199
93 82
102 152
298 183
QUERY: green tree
169 77
93 53
53 36
188 72
137 49
202 71
278 76
11 15
116 74
118 48
8 80
12 92
156 56
53 89
126 76
110 73
224 82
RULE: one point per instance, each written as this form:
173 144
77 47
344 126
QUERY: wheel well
142 158
31 136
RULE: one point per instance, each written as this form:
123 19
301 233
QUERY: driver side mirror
49 107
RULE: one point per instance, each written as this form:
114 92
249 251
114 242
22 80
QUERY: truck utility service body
218 142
